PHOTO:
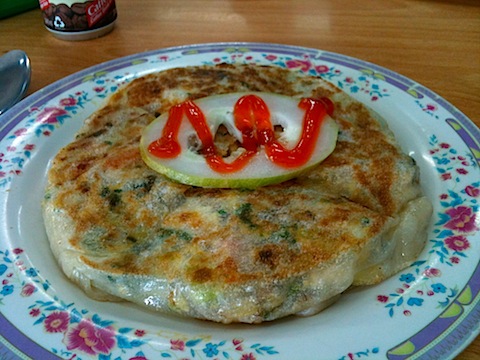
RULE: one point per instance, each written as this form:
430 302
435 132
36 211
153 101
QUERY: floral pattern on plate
81 333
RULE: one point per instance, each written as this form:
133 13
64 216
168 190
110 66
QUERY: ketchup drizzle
252 118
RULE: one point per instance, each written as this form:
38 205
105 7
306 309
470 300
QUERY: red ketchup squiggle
252 118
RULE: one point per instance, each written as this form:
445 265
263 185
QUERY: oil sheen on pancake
121 231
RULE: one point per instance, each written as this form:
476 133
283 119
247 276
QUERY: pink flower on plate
238 344
50 115
455 260
28 289
432 272
57 322
140 333
17 251
472 191
446 176
20 131
457 243
177 345
70 101
322 69
249 356
382 298
271 57
303 65
462 219
89 338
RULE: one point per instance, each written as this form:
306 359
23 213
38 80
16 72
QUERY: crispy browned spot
202 275
269 256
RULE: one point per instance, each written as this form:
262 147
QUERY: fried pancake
122 231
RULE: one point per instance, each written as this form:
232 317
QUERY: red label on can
44 4
97 10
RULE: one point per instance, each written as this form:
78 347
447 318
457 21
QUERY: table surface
434 42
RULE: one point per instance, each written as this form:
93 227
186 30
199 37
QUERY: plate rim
6 125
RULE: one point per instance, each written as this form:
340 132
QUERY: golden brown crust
130 221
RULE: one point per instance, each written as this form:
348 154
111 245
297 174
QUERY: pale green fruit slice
191 168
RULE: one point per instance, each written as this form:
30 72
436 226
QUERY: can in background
79 20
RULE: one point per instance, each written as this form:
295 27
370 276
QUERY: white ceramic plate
430 309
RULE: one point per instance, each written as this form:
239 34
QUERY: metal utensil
14 78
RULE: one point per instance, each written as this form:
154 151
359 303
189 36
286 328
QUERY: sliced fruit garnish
240 139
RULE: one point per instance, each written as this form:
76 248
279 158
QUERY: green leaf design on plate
465 297
452 311
456 308
94 76
414 93
406 348
373 74
454 124
139 61
235 49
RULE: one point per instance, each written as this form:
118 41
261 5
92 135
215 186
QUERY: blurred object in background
13 7
79 20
